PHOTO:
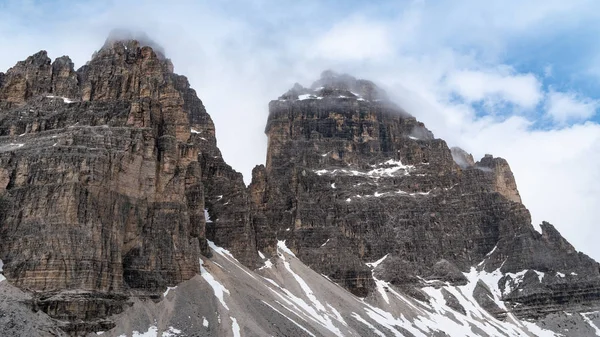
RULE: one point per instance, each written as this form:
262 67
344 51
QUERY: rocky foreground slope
113 192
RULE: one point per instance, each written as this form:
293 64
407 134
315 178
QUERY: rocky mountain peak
461 157
27 78
335 86
132 40
502 178
112 152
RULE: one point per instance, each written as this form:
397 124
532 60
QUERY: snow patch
262 256
153 332
195 131
217 287
323 245
235 328
204 322
590 323
2 278
66 100
291 320
281 246
376 263
219 250
537 330
168 289
308 96
207 216
369 325
171 332
268 264
390 168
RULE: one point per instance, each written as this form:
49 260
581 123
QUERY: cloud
494 86
563 107
354 40
239 55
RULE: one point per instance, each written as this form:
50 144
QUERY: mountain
119 215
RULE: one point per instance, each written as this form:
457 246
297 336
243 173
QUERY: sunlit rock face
100 184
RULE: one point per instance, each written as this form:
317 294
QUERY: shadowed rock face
100 188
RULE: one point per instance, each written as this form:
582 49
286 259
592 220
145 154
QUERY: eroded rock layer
101 192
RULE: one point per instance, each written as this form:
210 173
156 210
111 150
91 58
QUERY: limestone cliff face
350 178
100 188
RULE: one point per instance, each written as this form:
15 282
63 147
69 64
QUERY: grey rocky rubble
106 172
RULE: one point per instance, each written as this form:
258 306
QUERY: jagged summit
132 39
334 85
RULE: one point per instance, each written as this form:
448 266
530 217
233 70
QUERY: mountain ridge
120 160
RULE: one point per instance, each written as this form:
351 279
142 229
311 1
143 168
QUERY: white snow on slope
2 278
153 332
207 216
377 263
235 327
268 264
591 323
293 321
281 246
313 304
171 332
218 289
225 253
167 291
360 319
308 96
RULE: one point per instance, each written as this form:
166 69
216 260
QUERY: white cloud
569 106
354 40
493 86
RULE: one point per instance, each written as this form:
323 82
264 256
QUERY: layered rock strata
350 178
101 192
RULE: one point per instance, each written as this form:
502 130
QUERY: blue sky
515 78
